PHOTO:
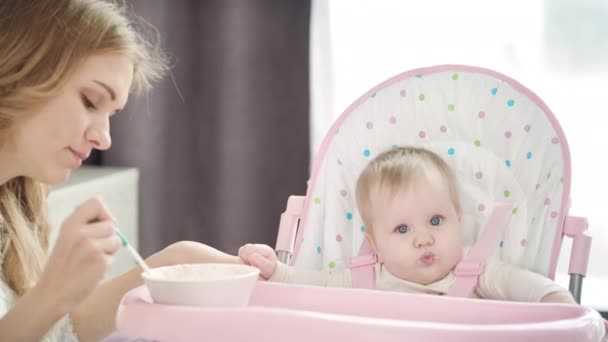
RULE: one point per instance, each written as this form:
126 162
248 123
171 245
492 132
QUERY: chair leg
576 286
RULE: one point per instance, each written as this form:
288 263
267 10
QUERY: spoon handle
132 250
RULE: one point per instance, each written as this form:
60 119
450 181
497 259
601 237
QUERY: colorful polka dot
366 153
349 216
421 97
392 120
317 200
502 243
339 238
343 193
318 249
510 102
529 155
537 186
419 76
477 143
395 146
478 175
527 128
547 201
533 219
443 129
332 265
506 193
422 134
373 95
523 242
508 134
481 115
514 211
455 77
494 91
553 214
561 179
555 141
369 125
481 207
451 151
548 175
451 107
402 93
508 163
362 229
339 162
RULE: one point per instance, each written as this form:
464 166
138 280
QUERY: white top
62 331
500 281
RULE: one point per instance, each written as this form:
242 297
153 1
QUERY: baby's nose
423 240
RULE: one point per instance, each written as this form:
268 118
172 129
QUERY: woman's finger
101 229
109 245
91 210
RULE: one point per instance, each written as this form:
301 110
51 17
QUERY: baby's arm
264 258
508 282
505 281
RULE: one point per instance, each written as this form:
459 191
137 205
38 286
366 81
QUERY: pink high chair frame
279 312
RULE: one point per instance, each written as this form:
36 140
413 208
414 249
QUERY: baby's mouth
427 258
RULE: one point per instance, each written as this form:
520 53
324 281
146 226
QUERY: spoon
133 252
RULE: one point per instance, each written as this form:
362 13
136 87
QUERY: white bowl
211 285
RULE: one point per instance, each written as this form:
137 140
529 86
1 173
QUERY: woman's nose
98 135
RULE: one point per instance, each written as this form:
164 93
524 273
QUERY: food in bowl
210 285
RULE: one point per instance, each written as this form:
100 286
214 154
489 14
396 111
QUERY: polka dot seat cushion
501 140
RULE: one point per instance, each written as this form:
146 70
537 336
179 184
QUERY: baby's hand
558 297
260 256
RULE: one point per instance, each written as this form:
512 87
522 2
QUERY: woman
66 67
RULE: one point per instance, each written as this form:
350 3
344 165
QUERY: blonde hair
41 43
397 168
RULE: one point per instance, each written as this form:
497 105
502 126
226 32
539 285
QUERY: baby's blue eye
402 229
436 220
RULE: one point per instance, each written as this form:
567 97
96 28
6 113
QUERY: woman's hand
260 256
82 255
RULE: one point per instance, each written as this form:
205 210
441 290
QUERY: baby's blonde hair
41 43
397 168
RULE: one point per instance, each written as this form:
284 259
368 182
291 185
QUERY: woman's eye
87 103
402 229
436 220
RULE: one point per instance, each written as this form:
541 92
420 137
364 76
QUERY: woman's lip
81 156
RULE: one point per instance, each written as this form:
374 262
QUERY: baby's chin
433 276
423 276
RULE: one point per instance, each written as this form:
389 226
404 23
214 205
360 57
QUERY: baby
408 200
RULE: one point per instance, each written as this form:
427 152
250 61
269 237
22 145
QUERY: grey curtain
223 142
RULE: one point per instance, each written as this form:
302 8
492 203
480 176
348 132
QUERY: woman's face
55 138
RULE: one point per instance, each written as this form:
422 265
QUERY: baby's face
416 233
